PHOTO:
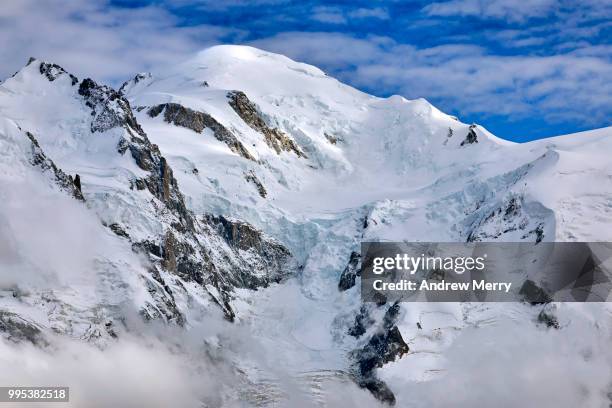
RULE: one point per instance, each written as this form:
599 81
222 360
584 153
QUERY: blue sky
524 69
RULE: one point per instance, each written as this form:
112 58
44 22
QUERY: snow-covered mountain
224 200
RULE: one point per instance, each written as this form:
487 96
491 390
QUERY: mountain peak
235 51
246 53
232 65
51 71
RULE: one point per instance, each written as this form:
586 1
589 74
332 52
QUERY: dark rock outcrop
165 306
384 346
350 273
363 321
198 121
252 178
148 247
534 294
77 182
53 71
512 208
109 108
269 262
448 136
471 137
538 232
507 216
249 113
39 159
130 83
118 230
548 319
332 139
379 390
16 329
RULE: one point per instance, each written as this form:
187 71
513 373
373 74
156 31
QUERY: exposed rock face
213 252
64 181
132 82
198 121
160 182
448 136
533 294
537 232
218 254
249 113
381 341
384 346
269 260
379 389
53 71
164 306
17 329
118 229
77 182
350 273
109 108
547 318
471 137
252 178
363 321
510 216
332 139
170 251
507 217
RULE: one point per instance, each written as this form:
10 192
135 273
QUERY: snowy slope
265 174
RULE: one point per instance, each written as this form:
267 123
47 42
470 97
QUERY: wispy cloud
377 12
330 15
338 15
90 38
570 86
499 9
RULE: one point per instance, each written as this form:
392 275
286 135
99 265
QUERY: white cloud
520 11
331 50
378 12
337 15
500 9
488 366
92 39
154 365
329 15
570 86
217 5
